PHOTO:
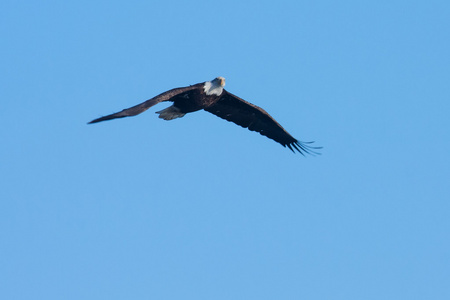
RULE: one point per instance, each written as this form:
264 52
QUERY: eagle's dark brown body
213 98
194 100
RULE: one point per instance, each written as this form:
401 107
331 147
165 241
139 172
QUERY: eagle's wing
234 109
140 108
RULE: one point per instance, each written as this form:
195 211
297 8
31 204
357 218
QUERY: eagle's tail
170 113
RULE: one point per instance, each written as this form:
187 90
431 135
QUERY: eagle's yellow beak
221 80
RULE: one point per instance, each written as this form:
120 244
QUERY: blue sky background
198 208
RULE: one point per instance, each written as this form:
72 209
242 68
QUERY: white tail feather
170 113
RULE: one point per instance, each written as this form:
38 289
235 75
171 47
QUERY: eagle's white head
215 86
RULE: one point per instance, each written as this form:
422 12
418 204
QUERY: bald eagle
212 97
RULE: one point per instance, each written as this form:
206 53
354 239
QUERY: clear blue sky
198 208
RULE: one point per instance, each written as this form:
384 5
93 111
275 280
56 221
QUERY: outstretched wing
234 109
140 108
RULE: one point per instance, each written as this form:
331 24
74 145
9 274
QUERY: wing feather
140 108
234 109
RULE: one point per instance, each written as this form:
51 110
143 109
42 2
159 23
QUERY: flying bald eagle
212 97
